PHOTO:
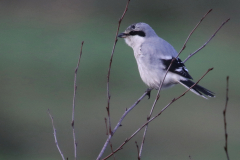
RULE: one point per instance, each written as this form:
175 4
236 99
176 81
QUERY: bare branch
206 42
74 96
108 77
175 99
55 136
225 121
110 64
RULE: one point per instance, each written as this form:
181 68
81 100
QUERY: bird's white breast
148 57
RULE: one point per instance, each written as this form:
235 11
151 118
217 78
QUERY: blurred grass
40 44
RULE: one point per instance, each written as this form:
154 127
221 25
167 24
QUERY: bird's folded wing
177 67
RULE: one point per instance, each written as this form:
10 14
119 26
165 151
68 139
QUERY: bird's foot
149 92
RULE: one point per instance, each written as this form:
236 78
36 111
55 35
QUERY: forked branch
119 124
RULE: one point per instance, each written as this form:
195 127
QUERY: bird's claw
148 93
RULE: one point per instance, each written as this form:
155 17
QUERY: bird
154 55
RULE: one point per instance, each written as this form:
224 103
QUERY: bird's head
137 33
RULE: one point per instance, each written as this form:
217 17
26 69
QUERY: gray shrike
153 55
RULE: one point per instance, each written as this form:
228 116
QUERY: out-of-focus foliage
40 43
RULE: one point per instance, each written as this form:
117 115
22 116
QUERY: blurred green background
40 44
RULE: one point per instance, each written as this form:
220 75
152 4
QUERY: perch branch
74 97
175 99
55 136
225 121
119 124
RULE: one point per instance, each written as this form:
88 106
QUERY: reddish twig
137 150
74 96
206 42
225 121
150 120
108 77
55 136
108 134
112 149
106 126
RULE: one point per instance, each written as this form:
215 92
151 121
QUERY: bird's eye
133 27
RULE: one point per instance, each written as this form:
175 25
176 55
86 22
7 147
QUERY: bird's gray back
158 48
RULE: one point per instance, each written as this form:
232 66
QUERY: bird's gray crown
140 29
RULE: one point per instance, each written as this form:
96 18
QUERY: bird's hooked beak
123 35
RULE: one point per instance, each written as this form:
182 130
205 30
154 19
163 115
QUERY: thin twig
150 120
112 150
110 64
225 121
108 77
55 136
137 150
109 141
206 42
74 97
106 126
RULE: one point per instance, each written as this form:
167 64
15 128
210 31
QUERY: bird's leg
148 92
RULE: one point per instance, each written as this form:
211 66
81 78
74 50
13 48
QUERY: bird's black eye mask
140 33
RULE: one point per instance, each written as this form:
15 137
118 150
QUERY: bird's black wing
177 67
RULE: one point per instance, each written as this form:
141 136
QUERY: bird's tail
197 89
